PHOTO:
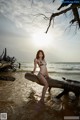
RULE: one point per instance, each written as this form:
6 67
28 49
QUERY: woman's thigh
42 79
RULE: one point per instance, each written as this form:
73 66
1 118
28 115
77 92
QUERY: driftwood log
7 62
66 85
7 78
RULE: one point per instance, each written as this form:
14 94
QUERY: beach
20 100
39 36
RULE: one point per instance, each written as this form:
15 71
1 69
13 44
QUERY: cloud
22 12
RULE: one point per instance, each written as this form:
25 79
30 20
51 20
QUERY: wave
52 68
70 68
53 72
65 72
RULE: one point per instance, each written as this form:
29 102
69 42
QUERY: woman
40 60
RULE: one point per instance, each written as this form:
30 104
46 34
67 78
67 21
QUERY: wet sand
20 100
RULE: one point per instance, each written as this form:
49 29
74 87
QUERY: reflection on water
20 100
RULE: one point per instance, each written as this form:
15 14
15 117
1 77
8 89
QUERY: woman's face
40 55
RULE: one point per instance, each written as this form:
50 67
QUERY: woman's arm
35 65
47 74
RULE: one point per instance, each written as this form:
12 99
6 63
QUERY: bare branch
45 17
57 14
76 16
53 0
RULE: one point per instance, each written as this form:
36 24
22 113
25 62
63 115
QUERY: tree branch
41 14
57 14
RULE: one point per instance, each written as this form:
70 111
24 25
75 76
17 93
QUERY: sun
41 39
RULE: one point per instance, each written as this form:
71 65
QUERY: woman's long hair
37 55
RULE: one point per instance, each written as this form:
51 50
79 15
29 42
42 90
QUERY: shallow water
20 100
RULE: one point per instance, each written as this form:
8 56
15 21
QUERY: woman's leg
49 89
44 82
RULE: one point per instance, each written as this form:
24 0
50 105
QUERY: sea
69 70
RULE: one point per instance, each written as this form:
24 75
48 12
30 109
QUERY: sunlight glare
42 39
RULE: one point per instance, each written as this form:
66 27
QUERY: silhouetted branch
75 13
41 14
57 14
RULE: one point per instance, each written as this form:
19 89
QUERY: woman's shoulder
35 60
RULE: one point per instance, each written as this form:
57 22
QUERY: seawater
70 70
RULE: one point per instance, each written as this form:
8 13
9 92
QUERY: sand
20 100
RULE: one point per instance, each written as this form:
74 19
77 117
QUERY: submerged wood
67 86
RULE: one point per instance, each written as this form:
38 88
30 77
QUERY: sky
22 31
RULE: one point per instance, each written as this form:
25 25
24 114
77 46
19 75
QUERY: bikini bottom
42 75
